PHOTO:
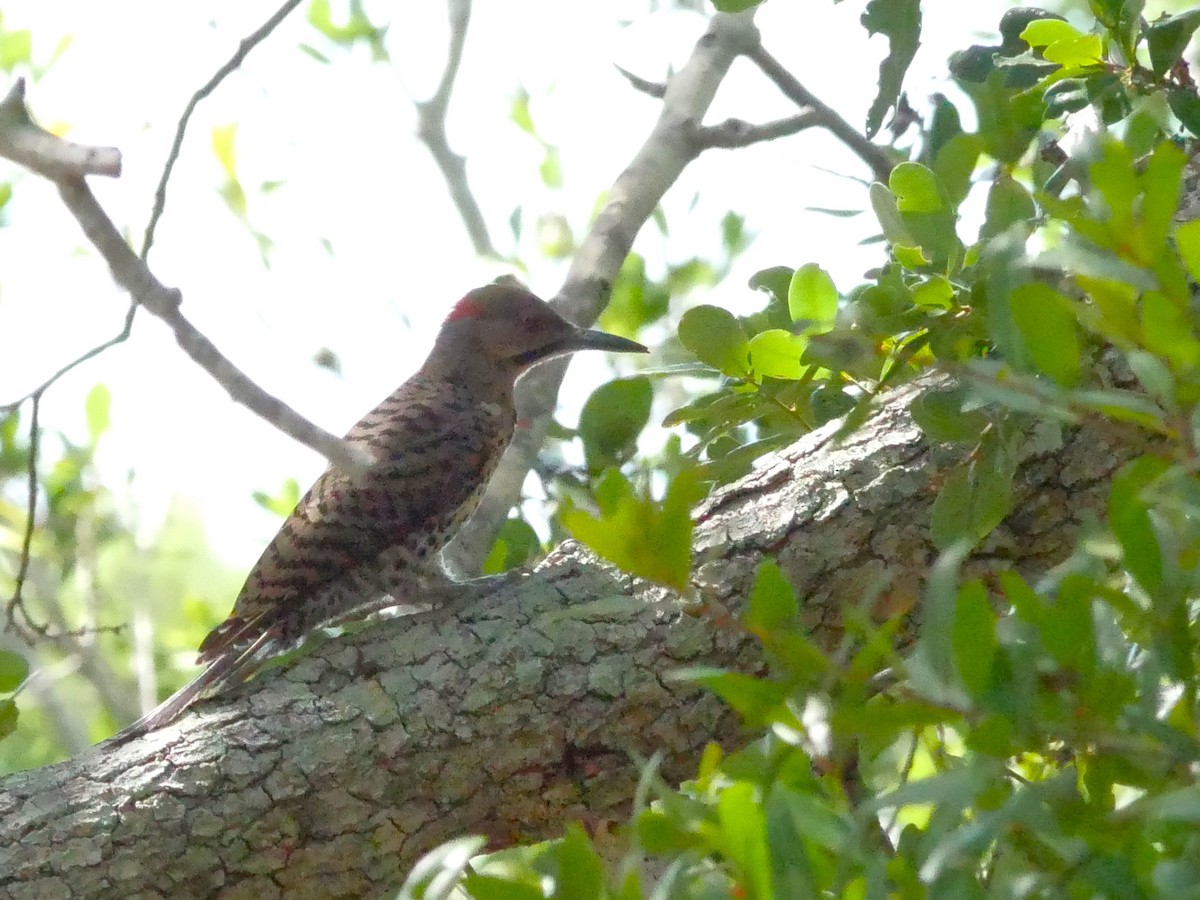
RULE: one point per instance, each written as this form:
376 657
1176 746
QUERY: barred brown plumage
351 539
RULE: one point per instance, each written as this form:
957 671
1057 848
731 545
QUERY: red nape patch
468 307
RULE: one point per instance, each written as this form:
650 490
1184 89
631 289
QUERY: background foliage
1033 739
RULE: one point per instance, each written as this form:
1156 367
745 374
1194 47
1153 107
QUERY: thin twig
17 602
871 154
735 133
655 89
122 335
431 131
248 43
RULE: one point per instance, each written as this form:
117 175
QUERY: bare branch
31 146
132 275
431 131
655 89
248 43
65 163
17 602
669 148
13 105
871 154
82 358
735 133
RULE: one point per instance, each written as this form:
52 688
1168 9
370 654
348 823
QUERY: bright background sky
341 139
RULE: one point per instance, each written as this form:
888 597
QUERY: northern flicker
435 443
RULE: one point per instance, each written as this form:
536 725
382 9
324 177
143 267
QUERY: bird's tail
226 670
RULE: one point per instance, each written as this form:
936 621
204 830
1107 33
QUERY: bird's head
513 329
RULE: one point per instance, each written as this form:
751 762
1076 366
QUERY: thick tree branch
670 147
31 146
331 776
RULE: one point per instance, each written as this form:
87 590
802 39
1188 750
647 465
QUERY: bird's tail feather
224 671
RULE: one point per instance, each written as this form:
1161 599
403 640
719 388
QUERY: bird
356 538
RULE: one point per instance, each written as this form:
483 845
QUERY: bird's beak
586 339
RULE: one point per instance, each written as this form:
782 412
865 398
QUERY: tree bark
331 776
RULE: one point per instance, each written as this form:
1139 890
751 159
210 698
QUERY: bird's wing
427 464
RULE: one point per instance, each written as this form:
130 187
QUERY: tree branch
735 133
65 163
31 146
655 89
332 776
431 130
132 275
670 147
16 603
871 154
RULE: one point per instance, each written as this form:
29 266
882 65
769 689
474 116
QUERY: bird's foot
485 585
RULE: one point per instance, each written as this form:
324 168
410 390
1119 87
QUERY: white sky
340 137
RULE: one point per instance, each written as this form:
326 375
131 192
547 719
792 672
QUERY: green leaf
900 22
579 873
1067 626
14 669
1160 182
516 545
775 353
15 48
224 147
1046 322
735 6
635 302
438 871
772 601
1168 38
754 699
1129 518
955 163
1179 805
883 202
973 635
551 169
611 420
916 188
1187 239
976 498
97 407
1167 328
812 297
717 338
8 718
1008 202
644 538
283 502
1123 406
744 837
1186 106
941 416
492 887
